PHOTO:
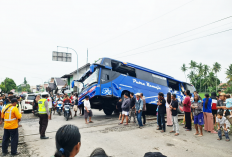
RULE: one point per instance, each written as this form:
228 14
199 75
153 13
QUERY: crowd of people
212 113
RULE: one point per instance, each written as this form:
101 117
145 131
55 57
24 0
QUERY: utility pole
87 55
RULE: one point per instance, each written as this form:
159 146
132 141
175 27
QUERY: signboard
23 85
61 56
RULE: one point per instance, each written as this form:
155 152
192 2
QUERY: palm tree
229 74
192 76
193 65
210 79
205 72
216 69
183 69
200 72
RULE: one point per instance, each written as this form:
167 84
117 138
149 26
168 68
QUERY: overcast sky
31 30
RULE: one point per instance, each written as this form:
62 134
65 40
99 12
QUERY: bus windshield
190 88
92 78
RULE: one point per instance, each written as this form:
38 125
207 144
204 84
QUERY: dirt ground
120 141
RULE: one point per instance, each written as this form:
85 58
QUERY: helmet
44 93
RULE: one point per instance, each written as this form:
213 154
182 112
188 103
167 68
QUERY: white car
27 103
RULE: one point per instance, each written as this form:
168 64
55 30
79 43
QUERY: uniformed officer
44 115
11 116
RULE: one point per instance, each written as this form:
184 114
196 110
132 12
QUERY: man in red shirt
187 111
67 100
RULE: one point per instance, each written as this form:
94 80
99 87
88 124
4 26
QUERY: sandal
196 134
125 124
200 135
219 139
172 131
158 129
227 140
176 134
91 122
120 123
162 131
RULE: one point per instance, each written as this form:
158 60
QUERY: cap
222 94
138 94
14 100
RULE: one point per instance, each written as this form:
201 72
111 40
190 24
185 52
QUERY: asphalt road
123 141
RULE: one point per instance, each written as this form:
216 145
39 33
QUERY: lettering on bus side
146 84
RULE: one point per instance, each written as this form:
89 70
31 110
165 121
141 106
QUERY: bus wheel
108 111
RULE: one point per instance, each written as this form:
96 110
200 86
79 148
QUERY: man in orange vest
11 116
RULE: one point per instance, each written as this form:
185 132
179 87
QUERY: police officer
11 116
44 115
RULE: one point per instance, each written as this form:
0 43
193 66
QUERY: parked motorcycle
67 111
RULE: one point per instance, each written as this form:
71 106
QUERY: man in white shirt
87 108
49 99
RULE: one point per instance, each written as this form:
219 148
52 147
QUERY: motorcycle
59 109
36 112
67 111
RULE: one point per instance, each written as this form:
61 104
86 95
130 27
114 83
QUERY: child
221 123
197 106
174 107
88 112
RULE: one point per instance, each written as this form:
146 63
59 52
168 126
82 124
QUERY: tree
7 85
193 65
192 77
229 74
25 81
216 69
210 79
184 69
200 72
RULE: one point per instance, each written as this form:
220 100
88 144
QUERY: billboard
61 56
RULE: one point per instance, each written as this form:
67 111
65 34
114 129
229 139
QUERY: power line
174 35
176 43
143 24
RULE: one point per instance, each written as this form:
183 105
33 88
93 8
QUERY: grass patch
202 95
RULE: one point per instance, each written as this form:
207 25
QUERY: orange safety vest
11 117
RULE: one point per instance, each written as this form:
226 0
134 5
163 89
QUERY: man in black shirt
132 107
174 107
161 112
119 108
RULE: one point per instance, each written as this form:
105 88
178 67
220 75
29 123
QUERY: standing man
11 116
132 107
139 109
44 115
49 99
144 108
187 111
125 108
161 112
88 111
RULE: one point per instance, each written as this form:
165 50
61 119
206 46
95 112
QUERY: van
27 104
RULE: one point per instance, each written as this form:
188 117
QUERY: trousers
132 114
188 120
144 117
161 121
220 134
43 123
175 124
139 115
14 135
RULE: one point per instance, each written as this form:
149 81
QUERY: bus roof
146 69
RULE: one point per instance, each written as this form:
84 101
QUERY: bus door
106 84
174 87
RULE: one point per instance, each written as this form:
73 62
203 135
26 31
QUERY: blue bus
108 79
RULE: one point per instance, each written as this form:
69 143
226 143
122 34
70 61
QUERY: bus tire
108 111
180 108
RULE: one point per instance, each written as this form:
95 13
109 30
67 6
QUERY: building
56 85
73 76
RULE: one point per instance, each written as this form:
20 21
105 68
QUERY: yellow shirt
11 122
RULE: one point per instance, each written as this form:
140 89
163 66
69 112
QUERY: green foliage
228 90
7 85
201 77
229 74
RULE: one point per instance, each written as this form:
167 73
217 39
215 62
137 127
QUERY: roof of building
71 74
